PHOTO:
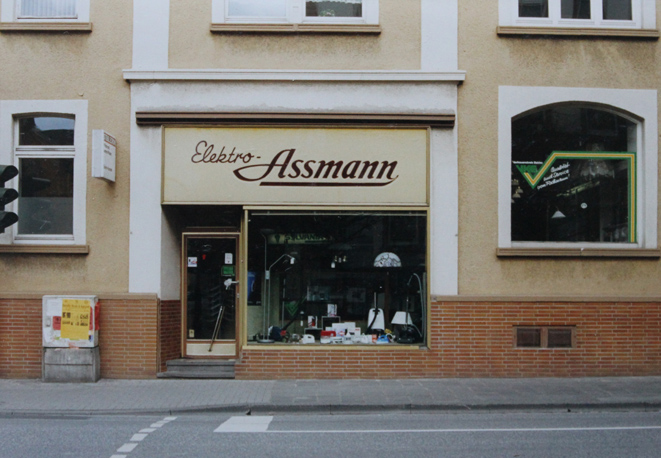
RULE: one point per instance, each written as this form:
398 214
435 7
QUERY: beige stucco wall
193 46
492 61
73 66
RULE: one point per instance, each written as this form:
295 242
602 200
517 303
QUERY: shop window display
327 278
573 176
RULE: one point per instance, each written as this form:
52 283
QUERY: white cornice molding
293 75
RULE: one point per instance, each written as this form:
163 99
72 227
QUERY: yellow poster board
75 319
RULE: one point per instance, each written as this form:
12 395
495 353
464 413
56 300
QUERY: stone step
199 368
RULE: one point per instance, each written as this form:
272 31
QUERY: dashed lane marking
139 437
127 448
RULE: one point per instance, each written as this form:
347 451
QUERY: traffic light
7 195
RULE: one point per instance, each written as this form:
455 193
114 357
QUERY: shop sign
244 165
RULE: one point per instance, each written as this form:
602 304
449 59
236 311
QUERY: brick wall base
475 339
468 339
128 338
170 332
20 338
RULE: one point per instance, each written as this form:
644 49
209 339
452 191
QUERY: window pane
337 8
258 8
333 277
571 176
559 338
575 9
48 8
42 131
45 203
529 337
617 10
533 8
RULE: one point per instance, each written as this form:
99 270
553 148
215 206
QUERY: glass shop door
210 282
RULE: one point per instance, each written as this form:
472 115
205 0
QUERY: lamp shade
387 259
402 318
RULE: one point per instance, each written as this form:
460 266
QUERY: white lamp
402 318
406 334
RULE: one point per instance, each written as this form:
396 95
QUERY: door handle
229 282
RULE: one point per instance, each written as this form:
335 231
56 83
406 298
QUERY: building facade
337 189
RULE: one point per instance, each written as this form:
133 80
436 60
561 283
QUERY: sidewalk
28 397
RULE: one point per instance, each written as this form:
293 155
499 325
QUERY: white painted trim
444 213
291 75
640 103
145 215
76 108
9 13
151 34
643 16
439 32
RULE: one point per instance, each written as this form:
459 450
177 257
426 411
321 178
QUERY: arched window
577 171
573 176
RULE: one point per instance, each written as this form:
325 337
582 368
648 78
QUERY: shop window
577 172
44 11
573 176
329 278
295 11
595 14
544 336
49 150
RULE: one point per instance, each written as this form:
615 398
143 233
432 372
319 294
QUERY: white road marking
127 448
139 437
245 424
476 430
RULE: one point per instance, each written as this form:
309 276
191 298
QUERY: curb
343 409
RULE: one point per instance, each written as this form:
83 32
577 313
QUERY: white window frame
10 112
295 15
637 105
643 13
10 12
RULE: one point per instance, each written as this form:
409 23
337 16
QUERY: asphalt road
514 434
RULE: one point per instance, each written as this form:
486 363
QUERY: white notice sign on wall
104 151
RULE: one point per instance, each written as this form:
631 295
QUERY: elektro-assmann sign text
284 169
263 165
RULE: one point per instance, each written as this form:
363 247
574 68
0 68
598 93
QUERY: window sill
78 27
370 29
579 252
45 249
579 32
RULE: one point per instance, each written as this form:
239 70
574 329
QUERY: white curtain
48 8
257 8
